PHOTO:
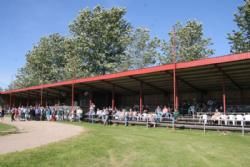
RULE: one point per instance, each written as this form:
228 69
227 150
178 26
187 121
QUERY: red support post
10 100
174 87
14 101
175 98
47 98
113 97
72 97
41 97
224 97
27 104
90 98
177 95
141 96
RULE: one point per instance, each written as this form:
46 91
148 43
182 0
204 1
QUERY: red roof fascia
214 60
190 64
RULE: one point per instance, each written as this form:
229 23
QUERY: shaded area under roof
200 75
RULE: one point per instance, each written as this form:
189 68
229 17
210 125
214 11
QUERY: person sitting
122 115
192 110
99 113
130 114
166 112
158 113
216 116
134 116
138 117
79 113
152 119
144 116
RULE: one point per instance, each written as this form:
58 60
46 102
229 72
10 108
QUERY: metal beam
185 82
149 84
53 91
62 88
228 76
91 87
31 94
119 86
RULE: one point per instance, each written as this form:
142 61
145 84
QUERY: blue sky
23 22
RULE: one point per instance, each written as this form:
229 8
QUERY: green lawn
138 146
5 129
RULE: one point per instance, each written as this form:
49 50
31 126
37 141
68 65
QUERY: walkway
35 133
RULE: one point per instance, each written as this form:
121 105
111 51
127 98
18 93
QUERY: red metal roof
144 71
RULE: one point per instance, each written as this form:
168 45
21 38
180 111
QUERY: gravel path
34 134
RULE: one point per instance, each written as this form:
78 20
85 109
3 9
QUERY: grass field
138 146
5 129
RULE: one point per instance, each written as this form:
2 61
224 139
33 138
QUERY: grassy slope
138 146
4 128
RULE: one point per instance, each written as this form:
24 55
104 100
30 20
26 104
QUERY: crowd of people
40 113
106 114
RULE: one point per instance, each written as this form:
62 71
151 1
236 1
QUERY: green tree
75 64
142 51
186 43
44 63
102 37
240 40
23 79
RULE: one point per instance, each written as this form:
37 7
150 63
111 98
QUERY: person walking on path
13 112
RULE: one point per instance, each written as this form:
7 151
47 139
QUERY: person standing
91 112
2 113
109 116
13 111
126 118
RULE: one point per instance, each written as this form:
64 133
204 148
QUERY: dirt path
34 134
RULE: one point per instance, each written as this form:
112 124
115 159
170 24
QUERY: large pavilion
225 79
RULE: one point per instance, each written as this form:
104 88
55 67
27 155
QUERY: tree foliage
102 42
186 43
102 36
76 64
240 40
142 50
46 61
